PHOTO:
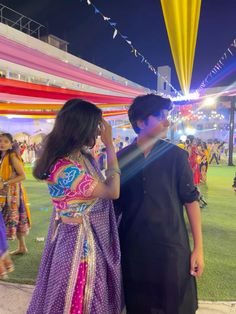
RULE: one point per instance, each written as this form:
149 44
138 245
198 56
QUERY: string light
134 50
230 52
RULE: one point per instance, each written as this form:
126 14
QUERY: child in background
234 184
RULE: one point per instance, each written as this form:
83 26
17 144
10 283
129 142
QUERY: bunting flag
133 49
182 19
229 53
106 18
115 33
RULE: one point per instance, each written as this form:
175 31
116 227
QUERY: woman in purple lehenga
80 268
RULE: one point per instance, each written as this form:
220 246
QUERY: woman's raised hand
106 133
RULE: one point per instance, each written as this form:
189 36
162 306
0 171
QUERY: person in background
204 162
24 152
234 183
22 148
16 147
181 144
226 149
80 268
117 142
14 203
195 155
102 159
158 266
121 145
221 150
126 142
214 153
195 158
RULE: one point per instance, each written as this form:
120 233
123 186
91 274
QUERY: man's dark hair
190 138
145 106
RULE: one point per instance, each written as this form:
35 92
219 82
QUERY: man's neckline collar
135 145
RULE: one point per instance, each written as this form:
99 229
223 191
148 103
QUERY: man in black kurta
156 181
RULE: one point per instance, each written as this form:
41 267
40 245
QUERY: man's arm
197 259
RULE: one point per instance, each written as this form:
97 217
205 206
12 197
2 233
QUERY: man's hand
196 263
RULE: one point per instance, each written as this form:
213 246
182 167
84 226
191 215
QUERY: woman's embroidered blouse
70 187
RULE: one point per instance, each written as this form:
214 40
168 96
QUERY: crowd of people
118 208
28 152
202 154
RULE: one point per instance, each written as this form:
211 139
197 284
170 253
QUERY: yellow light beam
182 19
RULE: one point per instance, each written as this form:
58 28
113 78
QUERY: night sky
142 21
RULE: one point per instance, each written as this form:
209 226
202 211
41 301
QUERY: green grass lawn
219 229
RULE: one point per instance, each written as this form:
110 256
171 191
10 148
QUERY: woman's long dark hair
75 127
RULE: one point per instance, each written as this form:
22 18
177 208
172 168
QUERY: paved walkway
14 299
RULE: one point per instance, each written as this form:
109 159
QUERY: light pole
232 100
